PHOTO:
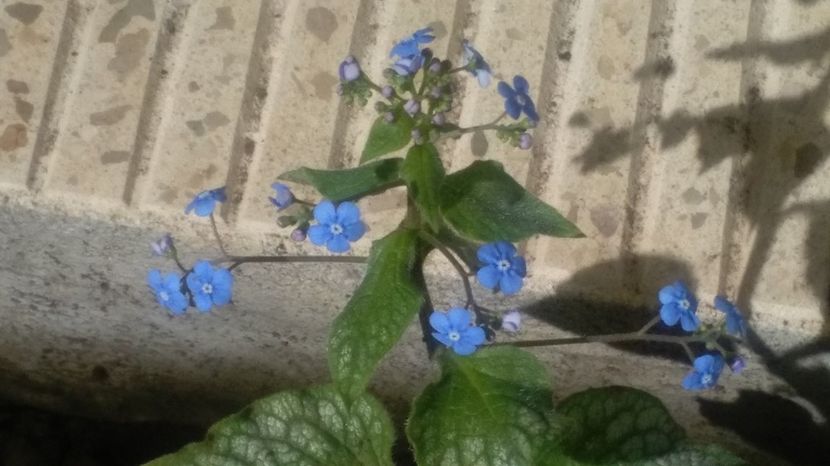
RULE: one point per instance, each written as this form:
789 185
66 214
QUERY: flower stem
236 261
468 289
216 235
492 125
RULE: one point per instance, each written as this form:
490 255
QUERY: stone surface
687 140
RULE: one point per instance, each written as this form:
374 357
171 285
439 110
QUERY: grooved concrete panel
687 140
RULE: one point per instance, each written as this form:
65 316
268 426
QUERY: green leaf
484 203
388 137
423 173
694 455
491 408
339 185
612 424
378 313
311 427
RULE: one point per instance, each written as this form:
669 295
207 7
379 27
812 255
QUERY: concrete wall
687 139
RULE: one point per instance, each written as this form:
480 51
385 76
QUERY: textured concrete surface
687 139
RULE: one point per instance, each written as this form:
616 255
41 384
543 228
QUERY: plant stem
236 261
492 125
216 235
468 289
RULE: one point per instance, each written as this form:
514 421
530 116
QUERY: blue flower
408 65
205 202
410 46
283 198
517 100
735 323
455 330
209 286
706 373
476 65
168 291
349 69
679 304
501 268
335 228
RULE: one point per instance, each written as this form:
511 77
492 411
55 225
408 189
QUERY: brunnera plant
493 402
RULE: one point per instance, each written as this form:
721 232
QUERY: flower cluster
204 286
421 89
678 304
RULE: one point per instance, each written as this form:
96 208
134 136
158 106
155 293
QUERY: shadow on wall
780 143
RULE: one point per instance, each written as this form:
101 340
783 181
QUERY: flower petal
203 301
459 318
488 253
354 231
506 250
530 111
483 77
520 84
510 283
444 339
439 322
325 213
512 108
670 313
463 349
172 282
505 90
692 381
703 364
338 243
194 284
204 207
154 279
671 293
347 213
319 234
488 276
203 270
473 336
518 266
722 304
177 303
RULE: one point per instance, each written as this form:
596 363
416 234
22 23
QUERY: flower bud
163 245
298 235
525 141
435 92
349 69
435 66
439 118
412 107
738 364
389 117
417 137
511 322
387 91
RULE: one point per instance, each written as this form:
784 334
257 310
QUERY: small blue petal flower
455 330
205 202
408 65
349 69
336 227
476 65
678 303
501 268
168 291
735 323
517 100
283 198
209 286
705 374
410 46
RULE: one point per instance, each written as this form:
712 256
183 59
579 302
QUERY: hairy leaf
353 183
423 172
378 313
385 138
693 455
491 408
613 424
484 203
314 427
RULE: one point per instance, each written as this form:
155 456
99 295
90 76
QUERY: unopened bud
511 322
525 141
298 235
435 92
417 137
387 91
389 117
439 118
349 69
738 364
435 66
412 107
163 245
